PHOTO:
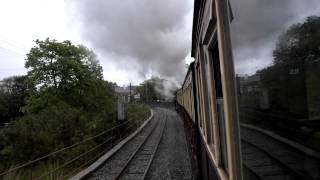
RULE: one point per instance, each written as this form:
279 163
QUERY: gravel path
172 159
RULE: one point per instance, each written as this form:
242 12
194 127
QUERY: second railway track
269 158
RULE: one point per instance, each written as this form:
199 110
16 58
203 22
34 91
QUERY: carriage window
206 116
199 97
214 53
209 90
276 48
203 102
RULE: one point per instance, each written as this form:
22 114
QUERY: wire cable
74 159
63 149
88 162
98 155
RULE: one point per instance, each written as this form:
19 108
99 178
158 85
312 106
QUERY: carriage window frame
210 98
207 103
199 95
203 117
218 99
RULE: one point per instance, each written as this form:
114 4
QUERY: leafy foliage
296 64
137 112
291 85
68 102
153 89
292 81
61 70
13 92
64 100
299 43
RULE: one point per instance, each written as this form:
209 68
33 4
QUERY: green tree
69 102
13 92
292 81
157 88
147 91
61 70
299 43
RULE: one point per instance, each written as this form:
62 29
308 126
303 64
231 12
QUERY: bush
137 113
57 126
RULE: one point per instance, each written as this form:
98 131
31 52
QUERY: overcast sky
134 39
257 26
137 39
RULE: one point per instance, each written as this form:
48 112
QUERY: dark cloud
257 25
141 35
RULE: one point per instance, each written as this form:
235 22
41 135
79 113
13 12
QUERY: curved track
133 160
139 163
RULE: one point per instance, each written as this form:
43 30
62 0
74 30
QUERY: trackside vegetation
62 101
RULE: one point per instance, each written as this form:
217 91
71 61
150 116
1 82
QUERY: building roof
124 89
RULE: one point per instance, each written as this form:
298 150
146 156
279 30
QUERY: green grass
137 113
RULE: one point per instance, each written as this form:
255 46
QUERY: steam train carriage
185 96
273 98
207 98
201 132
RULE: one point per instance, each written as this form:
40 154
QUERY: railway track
263 165
133 160
269 158
140 161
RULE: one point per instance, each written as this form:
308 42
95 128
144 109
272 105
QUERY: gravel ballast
172 160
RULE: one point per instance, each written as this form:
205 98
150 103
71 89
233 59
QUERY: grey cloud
257 25
150 35
11 63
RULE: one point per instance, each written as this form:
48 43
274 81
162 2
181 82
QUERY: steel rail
271 156
135 152
283 140
88 162
155 150
60 150
99 154
92 159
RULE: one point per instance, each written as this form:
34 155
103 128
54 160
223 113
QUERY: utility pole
130 93
146 92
